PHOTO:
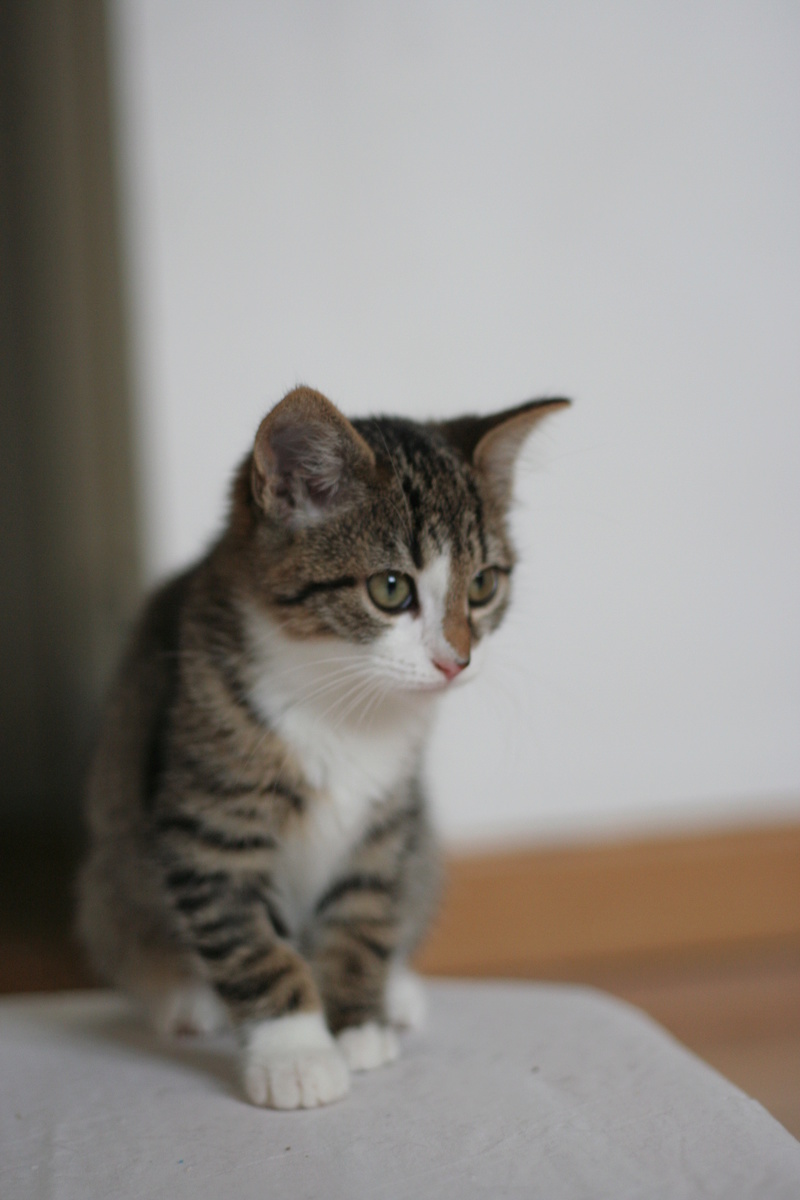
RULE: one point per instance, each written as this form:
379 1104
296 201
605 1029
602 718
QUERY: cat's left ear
308 460
492 444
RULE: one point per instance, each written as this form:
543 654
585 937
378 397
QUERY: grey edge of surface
514 1090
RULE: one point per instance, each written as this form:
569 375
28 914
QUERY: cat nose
450 667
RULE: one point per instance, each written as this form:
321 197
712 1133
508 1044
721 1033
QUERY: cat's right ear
308 460
492 444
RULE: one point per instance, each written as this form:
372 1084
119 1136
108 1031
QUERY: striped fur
257 822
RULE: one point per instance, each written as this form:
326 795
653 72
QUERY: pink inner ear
306 456
305 463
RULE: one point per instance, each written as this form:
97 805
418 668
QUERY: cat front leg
290 1058
357 935
367 924
293 1062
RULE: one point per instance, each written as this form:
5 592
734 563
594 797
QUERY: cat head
386 535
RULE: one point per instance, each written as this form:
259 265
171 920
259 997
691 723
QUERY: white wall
426 208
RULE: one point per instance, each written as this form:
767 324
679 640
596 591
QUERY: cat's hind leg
129 947
406 1006
368 1046
177 1002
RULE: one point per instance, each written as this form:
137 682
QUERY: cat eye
483 587
391 591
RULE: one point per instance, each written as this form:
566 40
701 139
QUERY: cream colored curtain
68 540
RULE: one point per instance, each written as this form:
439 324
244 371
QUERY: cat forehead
416 457
432 497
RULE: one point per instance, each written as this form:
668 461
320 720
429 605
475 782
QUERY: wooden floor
701 930
741 1015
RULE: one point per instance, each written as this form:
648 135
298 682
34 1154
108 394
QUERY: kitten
261 850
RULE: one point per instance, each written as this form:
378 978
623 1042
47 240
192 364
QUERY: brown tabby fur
192 794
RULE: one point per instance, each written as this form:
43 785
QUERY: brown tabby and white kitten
261 847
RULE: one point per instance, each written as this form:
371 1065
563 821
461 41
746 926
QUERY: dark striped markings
315 587
358 883
212 835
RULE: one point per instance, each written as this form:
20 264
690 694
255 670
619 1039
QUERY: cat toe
368 1046
293 1062
299 1079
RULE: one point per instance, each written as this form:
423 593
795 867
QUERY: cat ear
492 444
308 460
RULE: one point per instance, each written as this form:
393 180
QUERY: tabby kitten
261 850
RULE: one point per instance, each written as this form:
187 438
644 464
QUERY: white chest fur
351 772
354 755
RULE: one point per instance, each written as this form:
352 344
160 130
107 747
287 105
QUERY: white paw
190 1008
405 999
293 1062
368 1046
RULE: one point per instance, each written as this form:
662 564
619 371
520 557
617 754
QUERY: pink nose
450 667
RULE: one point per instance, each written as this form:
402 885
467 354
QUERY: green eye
391 590
482 587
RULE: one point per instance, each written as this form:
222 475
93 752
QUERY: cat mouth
435 686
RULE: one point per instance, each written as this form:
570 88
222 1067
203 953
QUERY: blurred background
428 209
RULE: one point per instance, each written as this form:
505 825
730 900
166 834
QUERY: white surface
428 208
517 1090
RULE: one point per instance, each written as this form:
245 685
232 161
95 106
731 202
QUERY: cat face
381 545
